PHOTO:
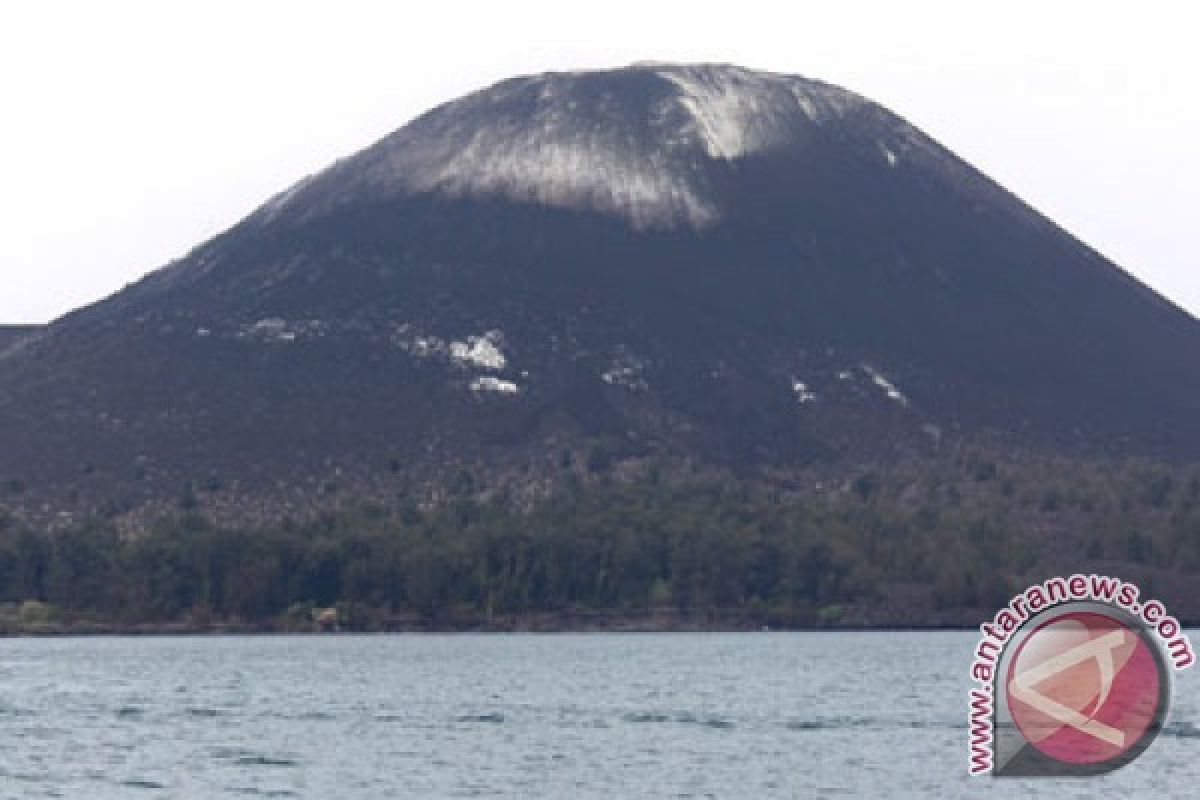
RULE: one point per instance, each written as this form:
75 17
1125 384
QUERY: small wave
849 722
830 723
13 711
920 724
256 792
257 760
316 715
494 717
707 720
1182 730
304 716
682 717
206 713
127 712
250 758
139 783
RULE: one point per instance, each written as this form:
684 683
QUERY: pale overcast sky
130 131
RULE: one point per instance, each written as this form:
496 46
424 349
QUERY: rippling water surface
562 716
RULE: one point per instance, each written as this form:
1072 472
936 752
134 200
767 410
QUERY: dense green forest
941 544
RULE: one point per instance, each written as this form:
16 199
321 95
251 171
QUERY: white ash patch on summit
271 209
738 111
886 385
534 165
578 140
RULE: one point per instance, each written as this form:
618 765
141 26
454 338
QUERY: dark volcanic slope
11 334
732 266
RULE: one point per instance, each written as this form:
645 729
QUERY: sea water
749 715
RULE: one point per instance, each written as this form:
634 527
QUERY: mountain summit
651 144
571 271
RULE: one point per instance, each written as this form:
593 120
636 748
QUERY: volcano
566 272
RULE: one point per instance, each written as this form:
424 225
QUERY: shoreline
150 632
351 620
521 625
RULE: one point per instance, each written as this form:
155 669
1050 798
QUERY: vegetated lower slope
943 544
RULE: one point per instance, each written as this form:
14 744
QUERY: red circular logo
1085 688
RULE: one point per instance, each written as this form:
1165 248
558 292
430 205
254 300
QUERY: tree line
921 545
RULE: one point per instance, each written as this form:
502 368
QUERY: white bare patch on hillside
803 393
480 351
626 370
886 385
490 383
